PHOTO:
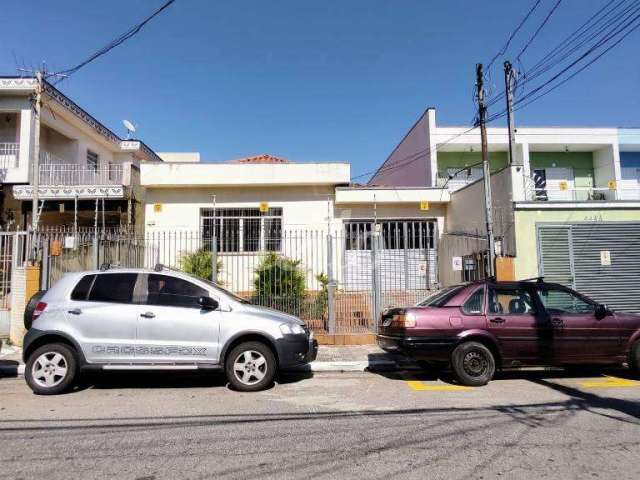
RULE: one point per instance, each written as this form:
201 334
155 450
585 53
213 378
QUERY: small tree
198 263
279 283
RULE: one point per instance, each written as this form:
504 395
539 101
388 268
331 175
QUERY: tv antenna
131 128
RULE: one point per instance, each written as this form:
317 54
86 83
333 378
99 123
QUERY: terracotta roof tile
265 158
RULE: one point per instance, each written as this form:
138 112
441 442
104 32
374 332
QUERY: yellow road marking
424 387
610 382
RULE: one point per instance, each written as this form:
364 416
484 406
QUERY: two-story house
566 207
86 172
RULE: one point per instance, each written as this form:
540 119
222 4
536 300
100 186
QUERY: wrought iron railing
67 174
9 153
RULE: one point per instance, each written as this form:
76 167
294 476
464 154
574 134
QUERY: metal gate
14 249
387 263
601 260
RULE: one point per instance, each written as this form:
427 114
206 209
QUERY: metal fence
14 250
337 281
9 153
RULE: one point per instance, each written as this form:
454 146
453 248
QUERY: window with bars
241 229
394 234
92 160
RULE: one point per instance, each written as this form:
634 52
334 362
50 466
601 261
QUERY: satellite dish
130 128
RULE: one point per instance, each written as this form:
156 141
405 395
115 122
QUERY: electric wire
116 42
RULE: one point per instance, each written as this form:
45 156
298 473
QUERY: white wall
302 207
234 174
180 157
605 161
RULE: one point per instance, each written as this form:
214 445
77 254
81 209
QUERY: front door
103 316
515 320
172 327
578 336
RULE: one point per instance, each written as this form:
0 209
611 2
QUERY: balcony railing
74 174
9 153
581 194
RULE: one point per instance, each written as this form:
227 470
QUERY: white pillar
24 156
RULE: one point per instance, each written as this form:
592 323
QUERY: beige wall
466 212
526 262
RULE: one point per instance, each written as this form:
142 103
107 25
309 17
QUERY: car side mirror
208 303
601 311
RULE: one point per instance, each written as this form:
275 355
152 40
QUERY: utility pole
509 77
482 119
35 163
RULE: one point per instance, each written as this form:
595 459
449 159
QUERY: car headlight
291 329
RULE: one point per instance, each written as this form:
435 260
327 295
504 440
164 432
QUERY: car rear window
113 287
81 291
441 298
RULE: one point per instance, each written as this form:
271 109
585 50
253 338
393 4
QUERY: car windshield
221 289
441 298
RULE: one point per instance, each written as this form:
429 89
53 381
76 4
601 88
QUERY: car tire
51 369
473 364
250 367
634 358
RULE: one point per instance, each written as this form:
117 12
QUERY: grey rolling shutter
554 245
618 284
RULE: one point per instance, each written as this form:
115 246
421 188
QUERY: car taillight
38 310
404 320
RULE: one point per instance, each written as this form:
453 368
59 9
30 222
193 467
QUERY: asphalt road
364 425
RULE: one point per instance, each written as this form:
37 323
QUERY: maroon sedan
485 325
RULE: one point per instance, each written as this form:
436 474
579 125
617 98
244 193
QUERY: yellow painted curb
610 382
424 387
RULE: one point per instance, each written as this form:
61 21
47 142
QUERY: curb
17 370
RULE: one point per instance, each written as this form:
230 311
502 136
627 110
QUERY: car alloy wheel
250 367
49 369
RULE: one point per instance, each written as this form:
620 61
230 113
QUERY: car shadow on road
413 372
167 379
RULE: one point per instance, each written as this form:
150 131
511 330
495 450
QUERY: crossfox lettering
149 350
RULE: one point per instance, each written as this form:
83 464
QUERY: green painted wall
581 162
497 160
526 261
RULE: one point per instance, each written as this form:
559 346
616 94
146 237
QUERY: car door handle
497 320
148 315
75 311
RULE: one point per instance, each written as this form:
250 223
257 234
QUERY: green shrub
317 304
279 283
198 263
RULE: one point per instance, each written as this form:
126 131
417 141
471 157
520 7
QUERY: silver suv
161 319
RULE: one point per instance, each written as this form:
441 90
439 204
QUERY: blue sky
337 80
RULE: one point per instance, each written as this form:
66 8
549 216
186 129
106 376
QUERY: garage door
600 260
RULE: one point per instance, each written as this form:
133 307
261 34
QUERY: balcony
567 193
9 155
59 180
76 175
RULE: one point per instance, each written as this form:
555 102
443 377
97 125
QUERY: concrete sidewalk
331 358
